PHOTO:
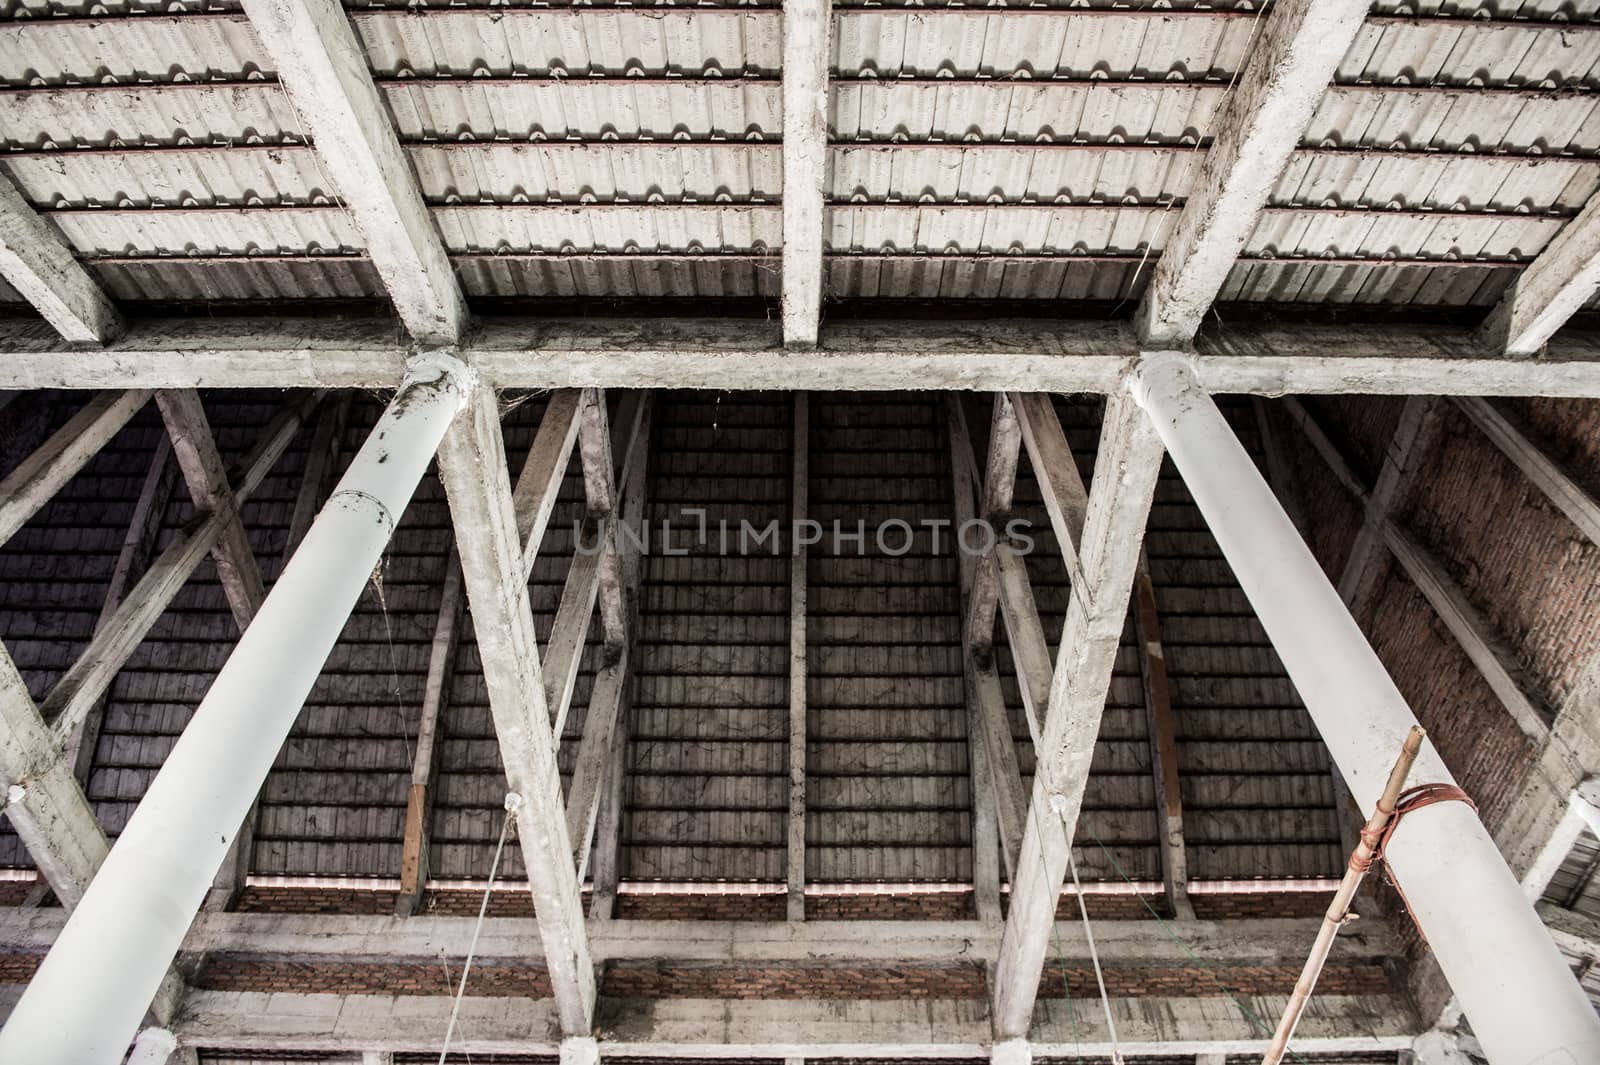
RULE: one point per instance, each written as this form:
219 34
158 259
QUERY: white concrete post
580 1050
1513 985
90 993
153 1047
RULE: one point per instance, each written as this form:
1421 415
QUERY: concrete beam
1126 470
1299 47
1550 290
734 354
76 693
36 262
378 939
703 1028
324 70
807 27
472 464
207 477
47 470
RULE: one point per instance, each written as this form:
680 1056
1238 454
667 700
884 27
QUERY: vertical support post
1487 938
799 508
981 699
1163 743
425 767
980 591
89 994
613 790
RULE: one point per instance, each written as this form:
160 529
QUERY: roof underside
889 798
1026 152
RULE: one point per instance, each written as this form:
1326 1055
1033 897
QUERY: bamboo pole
1334 919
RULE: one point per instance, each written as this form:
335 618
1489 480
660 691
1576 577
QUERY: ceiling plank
324 69
1299 48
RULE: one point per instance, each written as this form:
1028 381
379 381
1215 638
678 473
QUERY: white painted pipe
89 995
1513 985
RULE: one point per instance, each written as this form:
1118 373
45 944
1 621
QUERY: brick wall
316 900
18 968
1199 980
493 980
14 892
701 907
1514 555
794 981
939 906
1261 904
1107 907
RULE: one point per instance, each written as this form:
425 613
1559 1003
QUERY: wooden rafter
609 698
76 692
425 764
799 559
1163 742
138 547
1556 483
995 765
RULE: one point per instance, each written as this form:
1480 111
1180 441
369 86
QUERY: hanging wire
513 804
1055 929
1245 1011
1094 956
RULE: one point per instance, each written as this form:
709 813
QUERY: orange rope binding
1411 799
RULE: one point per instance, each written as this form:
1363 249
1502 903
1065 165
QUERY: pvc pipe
1513 985
90 993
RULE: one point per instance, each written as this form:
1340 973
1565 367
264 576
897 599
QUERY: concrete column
580 1050
1011 1052
1435 1047
90 993
1514 986
153 1047
1585 802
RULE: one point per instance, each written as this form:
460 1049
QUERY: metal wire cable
513 803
